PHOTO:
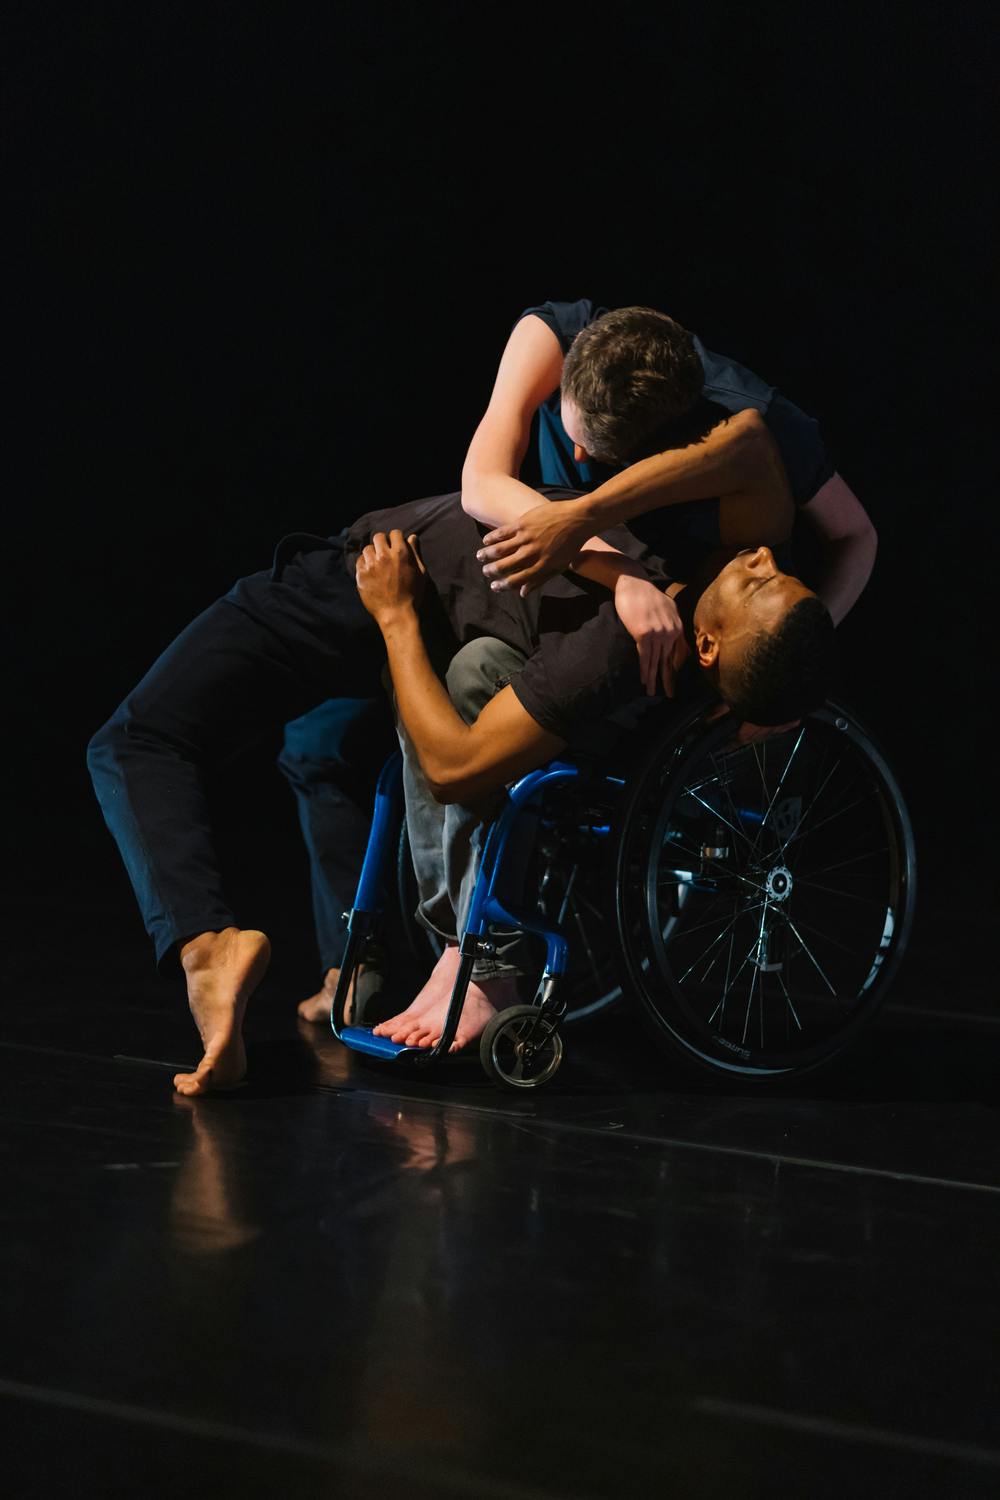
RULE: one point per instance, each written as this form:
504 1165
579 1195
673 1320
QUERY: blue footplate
363 1039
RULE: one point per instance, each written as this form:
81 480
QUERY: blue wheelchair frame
485 908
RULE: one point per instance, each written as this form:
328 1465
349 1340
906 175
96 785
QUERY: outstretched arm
461 761
738 461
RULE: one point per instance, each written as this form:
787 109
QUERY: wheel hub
778 884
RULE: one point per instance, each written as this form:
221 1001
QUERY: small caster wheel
520 1050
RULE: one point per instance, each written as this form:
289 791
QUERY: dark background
263 259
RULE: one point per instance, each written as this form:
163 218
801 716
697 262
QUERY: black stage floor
342 1281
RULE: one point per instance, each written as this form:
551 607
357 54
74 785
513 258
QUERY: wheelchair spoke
788 1002
725 781
781 781
717 864
717 814
812 959
720 1009
827 938
586 941
732 923
817 794
829 890
843 863
753 979
567 895
579 899
746 1018
710 922
761 768
799 834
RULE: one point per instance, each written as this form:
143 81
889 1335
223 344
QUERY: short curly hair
786 672
635 377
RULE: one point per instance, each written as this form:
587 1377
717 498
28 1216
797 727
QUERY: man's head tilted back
629 380
764 640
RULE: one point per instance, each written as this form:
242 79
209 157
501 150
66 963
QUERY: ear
707 646
580 454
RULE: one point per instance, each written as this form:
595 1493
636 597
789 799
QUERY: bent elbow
470 487
456 784
446 789
752 425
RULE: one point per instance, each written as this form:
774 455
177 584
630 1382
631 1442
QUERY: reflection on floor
344 1280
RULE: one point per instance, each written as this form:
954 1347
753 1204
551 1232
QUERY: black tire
520 1051
764 894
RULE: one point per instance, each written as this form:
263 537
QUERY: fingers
643 647
502 565
673 659
667 674
380 543
501 534
414 543
513 580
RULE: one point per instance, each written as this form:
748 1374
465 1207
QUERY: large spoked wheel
520 1049
764 892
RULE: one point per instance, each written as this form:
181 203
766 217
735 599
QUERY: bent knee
478 672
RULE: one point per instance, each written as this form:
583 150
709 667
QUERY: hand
390 574
651 619
543 542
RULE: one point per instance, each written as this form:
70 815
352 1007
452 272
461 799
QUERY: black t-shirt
582 663
683 533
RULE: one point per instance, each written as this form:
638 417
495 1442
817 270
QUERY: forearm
440 735
604 564
732 458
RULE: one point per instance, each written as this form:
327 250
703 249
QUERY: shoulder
566 319
731 384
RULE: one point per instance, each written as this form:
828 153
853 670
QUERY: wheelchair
752 901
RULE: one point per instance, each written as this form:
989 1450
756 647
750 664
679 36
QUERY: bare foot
317 1008
438 986
422 1023
223 969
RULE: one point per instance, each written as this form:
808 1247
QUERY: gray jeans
446 841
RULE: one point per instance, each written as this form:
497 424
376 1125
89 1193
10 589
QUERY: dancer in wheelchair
279 641
760 637
630 387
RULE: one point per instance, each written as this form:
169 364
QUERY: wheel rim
519 1058
774 898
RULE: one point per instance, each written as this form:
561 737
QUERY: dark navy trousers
331 759
277 646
